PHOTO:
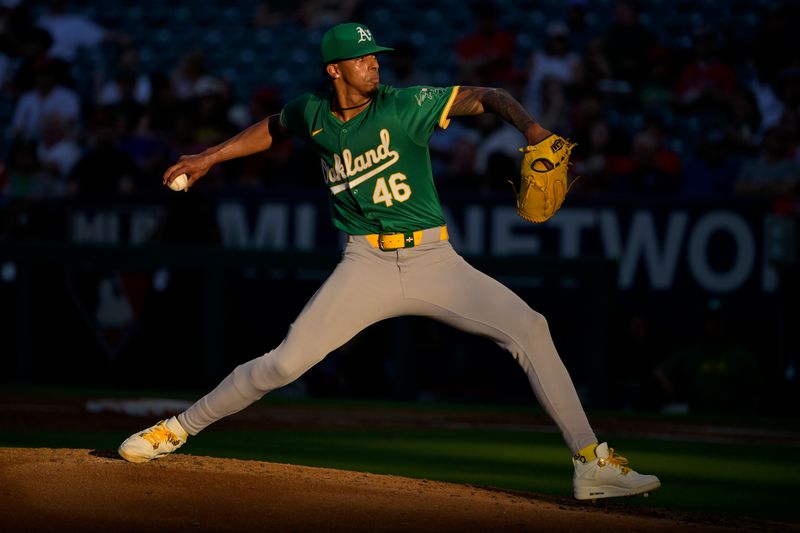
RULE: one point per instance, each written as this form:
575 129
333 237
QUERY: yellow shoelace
160 434
616 460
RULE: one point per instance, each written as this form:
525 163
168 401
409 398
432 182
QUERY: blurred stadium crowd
696 99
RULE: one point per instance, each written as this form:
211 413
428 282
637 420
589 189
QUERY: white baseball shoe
155 441
607 476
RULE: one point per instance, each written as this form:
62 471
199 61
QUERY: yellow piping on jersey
443 120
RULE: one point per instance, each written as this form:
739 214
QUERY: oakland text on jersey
346 166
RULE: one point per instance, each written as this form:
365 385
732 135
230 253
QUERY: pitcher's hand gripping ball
544 183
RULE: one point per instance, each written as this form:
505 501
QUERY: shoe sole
610 491
131 458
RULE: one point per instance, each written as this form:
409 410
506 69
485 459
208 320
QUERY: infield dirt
88 490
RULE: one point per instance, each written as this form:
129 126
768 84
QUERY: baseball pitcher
373 143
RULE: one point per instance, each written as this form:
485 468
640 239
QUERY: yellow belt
395 241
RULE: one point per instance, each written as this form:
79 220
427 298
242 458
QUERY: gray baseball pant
370 285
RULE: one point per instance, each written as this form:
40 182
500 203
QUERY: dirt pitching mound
85 490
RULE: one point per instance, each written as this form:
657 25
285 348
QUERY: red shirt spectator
707 75
486 56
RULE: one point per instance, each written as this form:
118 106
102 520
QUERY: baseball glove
544 182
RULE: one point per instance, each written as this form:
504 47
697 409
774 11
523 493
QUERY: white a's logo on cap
364 35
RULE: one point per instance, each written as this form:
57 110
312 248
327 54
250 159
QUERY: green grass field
755 480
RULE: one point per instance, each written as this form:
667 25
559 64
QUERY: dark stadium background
686 115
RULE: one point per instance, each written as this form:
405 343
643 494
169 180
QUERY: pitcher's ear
332 69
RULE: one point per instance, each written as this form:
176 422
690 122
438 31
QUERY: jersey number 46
395 190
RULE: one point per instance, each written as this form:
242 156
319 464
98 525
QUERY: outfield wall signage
717 249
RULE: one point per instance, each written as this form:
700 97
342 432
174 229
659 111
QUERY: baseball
180 183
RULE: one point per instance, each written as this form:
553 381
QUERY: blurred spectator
777 43
211 103
706 80
497 155
266 100
653 167
583 114
640 76
105 169
129 83
620 57
590 161
46 98
150 152
58 150
126 100
22 170
711 171
4 68
453 153
33 53
770 108
271 12
580 34
403 70
190 70
26 177
504 141
656 93
788 91
742 123
486 56
15 30
19 39
777 58
161 112
326 13
713 373
554 111
555 68
772 171
183 134
271 165
72 31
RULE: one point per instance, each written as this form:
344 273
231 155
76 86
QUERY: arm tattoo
477 100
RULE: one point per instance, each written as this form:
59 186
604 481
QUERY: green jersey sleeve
420 109
293 116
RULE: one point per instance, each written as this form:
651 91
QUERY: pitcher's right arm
257 138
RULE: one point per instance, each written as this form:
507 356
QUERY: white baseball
180 183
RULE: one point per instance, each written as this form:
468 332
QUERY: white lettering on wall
769 278
97 228
305 222
642 249
571 225
271 227
130 225
744 258
468 239
505 241
650 247
143 224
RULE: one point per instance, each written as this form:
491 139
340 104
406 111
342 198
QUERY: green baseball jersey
377 165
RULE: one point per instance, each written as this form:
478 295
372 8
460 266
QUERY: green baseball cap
346 41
